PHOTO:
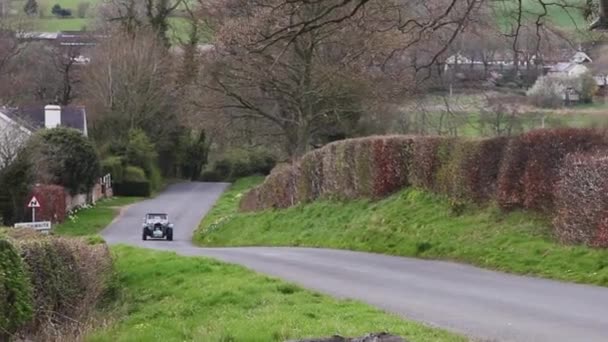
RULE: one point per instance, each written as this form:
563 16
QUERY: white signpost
43 227
34 204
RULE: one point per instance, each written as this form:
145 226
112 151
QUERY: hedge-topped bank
49 286
543 170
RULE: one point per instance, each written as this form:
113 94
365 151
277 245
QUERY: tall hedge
15 291
391 164
363 167
532 163
425 162
309 184
482 169
516 172
68 277
582 200
280 189
141 189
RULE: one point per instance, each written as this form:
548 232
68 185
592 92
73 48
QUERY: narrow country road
482 304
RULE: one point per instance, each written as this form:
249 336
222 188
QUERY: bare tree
303 88
10 47
128 84
66 66
599 9
42 74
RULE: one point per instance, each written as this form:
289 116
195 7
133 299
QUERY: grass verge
409 223
166 297
92 220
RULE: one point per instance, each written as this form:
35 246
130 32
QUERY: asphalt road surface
484 305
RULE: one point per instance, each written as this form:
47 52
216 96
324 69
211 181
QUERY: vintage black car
157 226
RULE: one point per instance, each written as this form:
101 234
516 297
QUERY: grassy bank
95 219
166 297
409 223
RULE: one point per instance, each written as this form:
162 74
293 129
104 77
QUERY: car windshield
156 217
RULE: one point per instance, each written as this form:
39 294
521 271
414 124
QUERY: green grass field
50 23
464 116
409 223
567 18
46 6
165 297
93 220
565 14
56 25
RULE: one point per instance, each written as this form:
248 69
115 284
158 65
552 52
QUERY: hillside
570 18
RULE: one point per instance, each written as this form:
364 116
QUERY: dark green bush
241 163
114 165
262 161
223 167
140 189
15 291
134 174
141 151
155 178
15 182
241 168
64 156
211 176
195 156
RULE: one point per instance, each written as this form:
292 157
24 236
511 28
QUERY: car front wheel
144 236
170 234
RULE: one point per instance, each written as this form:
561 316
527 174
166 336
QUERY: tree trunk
298 139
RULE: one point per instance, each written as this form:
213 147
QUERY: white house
33 118
458 59
581 58
18 124
568 69
12 136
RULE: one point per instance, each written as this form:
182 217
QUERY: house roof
565 67
12 116
65 38
78 38
38 35
562 67
581 57
458 59
32 117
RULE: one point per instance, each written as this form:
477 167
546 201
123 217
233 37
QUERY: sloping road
482 304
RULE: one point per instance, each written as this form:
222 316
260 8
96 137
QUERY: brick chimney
52 116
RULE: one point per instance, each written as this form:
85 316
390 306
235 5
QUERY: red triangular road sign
34 203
